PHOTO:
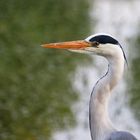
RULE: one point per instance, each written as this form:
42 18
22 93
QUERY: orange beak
81 44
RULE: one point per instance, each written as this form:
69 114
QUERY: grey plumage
106 46
100 125
121 135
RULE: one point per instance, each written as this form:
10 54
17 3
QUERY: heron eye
95 43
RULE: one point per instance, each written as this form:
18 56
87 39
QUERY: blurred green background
134 77
35 86
36 90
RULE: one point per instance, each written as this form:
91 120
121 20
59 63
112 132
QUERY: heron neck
115 72
100 123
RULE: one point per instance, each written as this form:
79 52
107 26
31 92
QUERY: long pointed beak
81 44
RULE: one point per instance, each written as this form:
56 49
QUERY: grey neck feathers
100 124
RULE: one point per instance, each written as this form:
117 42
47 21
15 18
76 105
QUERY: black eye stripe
104 39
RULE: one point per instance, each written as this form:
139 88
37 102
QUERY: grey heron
106 46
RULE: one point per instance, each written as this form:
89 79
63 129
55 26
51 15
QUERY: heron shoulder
121 135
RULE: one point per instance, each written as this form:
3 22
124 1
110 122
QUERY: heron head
100 44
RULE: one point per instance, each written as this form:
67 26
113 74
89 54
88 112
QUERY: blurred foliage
134 81
35 87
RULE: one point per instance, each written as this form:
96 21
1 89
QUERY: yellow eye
95 44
